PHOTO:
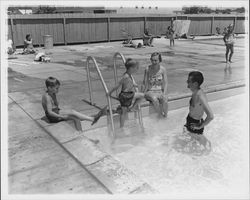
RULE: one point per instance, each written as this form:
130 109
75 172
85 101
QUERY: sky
145 3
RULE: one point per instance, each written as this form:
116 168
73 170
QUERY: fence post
145 23
64 31
235 21
12 31
108 28
212 25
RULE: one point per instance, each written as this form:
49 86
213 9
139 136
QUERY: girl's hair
156 54
196 77
52 82
130 63
28 35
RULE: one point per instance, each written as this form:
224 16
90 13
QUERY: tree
240 10
45 10
226 11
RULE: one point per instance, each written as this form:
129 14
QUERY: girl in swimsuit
155 82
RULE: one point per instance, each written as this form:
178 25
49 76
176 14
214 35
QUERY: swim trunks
53 119
189 121
126 98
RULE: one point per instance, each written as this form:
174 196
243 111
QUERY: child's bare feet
164 114
94 141
99 114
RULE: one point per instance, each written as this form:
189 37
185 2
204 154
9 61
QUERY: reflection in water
176 163
227 71
192 144
154 136
126 139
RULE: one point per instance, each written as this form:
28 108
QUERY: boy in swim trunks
198 105
129 97
51 106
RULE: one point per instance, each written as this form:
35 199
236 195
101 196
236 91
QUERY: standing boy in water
197 106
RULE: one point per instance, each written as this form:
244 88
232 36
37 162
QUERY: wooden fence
86 28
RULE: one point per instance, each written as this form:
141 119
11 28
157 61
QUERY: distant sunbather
28 45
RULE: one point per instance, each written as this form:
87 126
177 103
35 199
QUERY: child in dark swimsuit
198 105
129 97
51 106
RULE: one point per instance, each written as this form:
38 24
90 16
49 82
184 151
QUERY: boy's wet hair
130 63
156 54
196 77
28 35
52 82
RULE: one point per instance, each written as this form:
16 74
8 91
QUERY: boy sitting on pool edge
51 106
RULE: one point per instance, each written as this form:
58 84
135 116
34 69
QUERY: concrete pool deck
30 137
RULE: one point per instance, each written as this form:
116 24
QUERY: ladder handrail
90 58
114 64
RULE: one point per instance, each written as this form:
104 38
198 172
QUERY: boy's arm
207 109
224 38
145 81
115 87
49 108
28 42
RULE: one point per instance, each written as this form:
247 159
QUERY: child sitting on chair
51 106
129 97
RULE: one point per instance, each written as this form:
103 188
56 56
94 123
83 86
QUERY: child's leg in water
123 116
150 96
201 139
163 105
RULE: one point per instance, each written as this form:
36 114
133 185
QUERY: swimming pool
176 165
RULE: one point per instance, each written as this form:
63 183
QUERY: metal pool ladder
90 58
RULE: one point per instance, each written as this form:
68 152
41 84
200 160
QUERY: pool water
178 165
